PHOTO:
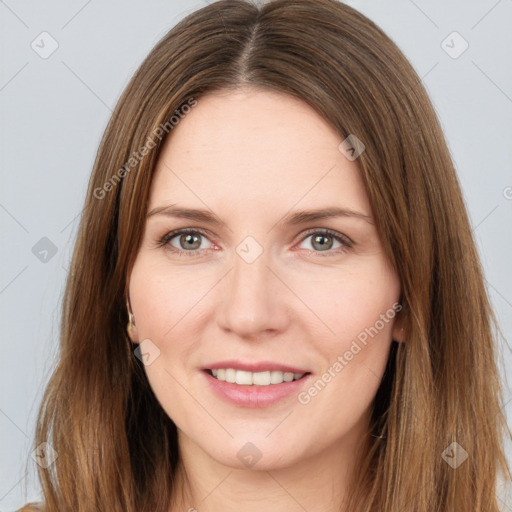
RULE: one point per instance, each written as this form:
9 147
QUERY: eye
322 240
187 241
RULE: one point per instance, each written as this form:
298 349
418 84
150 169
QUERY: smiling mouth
245 378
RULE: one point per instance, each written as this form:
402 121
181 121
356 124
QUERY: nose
253 300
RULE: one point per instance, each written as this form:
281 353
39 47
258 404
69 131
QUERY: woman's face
260 287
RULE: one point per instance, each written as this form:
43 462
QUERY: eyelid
340 237
330 232
165 240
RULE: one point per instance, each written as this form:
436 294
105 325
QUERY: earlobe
399 333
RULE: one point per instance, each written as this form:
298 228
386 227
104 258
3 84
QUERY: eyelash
343 239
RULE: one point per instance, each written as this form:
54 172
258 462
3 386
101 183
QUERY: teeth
245 378
257 379
276 377
230 375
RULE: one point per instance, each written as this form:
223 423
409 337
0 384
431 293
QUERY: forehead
255 148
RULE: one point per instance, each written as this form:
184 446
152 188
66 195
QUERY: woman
275 301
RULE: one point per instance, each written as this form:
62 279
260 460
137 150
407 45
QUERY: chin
257 455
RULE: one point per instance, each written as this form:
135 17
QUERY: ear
131 327
133 334
398 332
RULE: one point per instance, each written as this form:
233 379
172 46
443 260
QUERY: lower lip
254 396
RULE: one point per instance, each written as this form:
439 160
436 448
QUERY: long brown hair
117 449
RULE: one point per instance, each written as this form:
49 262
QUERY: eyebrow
292 219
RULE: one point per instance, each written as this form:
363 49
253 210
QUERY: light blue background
54 111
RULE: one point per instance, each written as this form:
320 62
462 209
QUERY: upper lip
254 367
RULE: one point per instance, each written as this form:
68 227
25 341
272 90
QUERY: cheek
360 309
357 311
161 297
163 306
167 302
351 302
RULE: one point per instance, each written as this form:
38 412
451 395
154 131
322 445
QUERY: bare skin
252 158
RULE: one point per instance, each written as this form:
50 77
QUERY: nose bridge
250 278
250 299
